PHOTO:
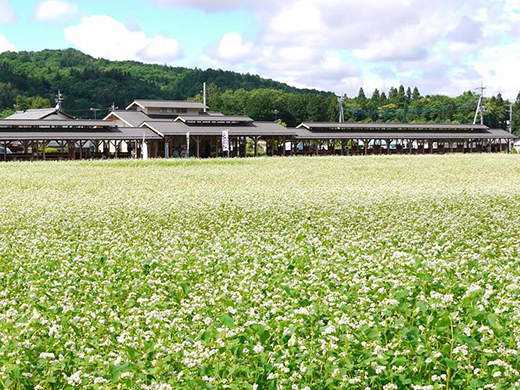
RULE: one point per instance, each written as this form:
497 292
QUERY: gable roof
40 113
170 128
217 119
144 103
131 118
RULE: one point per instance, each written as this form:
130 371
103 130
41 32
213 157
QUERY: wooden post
197 140
366 146
5 151
255 140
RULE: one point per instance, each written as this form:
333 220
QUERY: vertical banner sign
225 141
144 148
167 149
188 144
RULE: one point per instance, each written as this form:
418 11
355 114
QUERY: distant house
41 114
166 108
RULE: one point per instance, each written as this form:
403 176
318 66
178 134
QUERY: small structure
166 108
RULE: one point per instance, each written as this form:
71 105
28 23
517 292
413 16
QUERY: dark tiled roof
39 113
169 128
167 104
389 126
130 117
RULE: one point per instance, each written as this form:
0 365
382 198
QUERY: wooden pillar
74 150
5 151
366 146
44 146
255 140
197 140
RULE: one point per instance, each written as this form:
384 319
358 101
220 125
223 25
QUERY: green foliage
22 103
89 82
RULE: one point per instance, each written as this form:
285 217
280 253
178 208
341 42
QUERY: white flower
258 348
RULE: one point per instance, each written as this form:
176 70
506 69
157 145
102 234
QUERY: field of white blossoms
282 273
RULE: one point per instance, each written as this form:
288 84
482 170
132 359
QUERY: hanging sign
188 144
225 141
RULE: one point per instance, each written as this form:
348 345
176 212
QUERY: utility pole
480 107
510 126
204 96
341 110
95 111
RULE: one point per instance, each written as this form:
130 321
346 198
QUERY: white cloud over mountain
440 46
5 45
103 36
56 11
7 14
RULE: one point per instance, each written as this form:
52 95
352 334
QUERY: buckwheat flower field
282 273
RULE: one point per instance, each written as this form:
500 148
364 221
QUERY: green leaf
450 363
227 320
492 319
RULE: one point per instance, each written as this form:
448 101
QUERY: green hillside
90 82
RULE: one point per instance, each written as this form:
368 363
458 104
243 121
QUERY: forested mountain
88 82
30 80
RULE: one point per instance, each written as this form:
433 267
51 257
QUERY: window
166 110
182 110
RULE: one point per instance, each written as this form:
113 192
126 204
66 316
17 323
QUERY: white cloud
331 44
498 66
160 50
231 48
5 45
103 36
6 12
55 11
296 65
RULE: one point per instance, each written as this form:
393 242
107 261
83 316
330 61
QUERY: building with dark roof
189 130
166 108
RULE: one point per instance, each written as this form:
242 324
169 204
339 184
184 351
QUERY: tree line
30 80
398 105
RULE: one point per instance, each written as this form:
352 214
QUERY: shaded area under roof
304 134
213 119
24 123
120 134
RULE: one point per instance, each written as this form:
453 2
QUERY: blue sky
441 46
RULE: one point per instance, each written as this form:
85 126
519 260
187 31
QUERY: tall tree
516 115
416 95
